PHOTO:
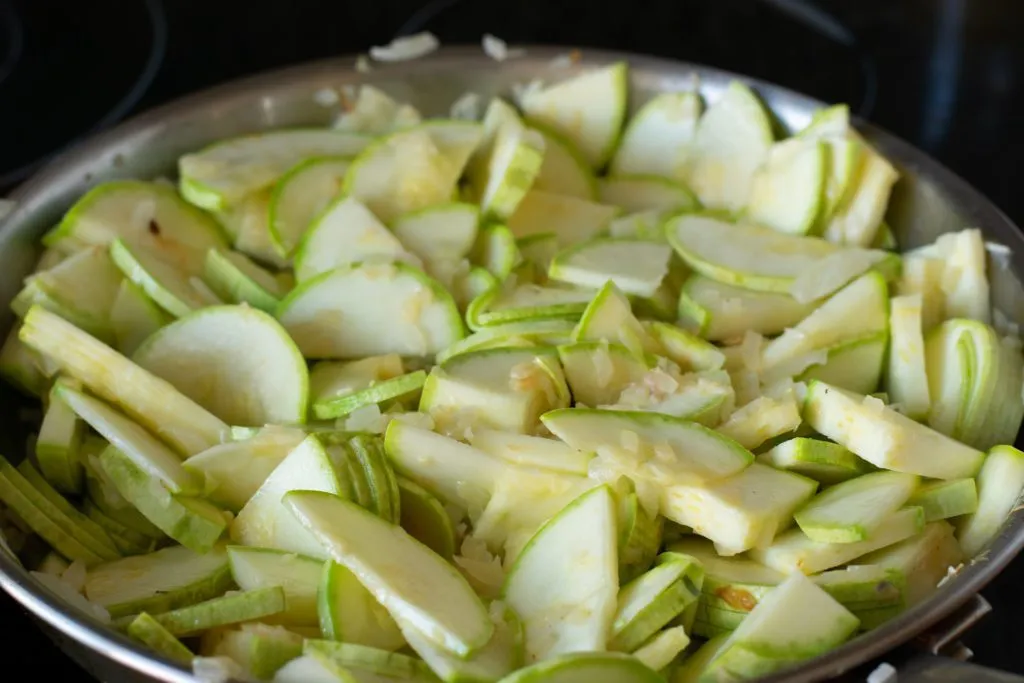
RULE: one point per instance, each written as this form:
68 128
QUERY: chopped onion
498 50
467 107
217 670
68 593
874 404
74 575
883 673
406 48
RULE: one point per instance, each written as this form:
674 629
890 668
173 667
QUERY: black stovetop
946 75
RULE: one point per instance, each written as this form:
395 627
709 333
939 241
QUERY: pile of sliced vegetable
549 397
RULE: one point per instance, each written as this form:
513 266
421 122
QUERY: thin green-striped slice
637 267
565 171
788 191
300 195
425 518
658 137
236 279
635 193
222 174
571 219
176 291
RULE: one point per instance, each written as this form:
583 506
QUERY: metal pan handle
942 658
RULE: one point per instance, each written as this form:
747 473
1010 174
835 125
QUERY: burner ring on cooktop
85 65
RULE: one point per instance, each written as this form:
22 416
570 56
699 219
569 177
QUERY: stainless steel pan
929 200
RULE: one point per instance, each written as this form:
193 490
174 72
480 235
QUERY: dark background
946 75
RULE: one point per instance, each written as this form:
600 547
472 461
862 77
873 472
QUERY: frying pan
927 201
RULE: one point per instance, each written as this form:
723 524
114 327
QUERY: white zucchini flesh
861 308
609 317
564 171
298 577
265 521
84 287
763 418
906 376
524 302
588 109
686 350
592 667
923 560
145 450
307 669
597 372
159 581
403 172
515 162
546 332
248 223
300 195
260 649
220 175
398 309
409 580
663 648
643 224
346 232
792 551
742 511
633 194
658 137
349 613
744 255
495 249
502 655
637 267
787 190
823 461
330 379
174 290
964 283
857 219
649 602
456 473
732 140
133 317
235 361
922 275
884 437
853 510
439 233
944 499
146 214
236 279
563 584
721 312
686 452
796 621
531 451
856 365
58 444
1000 482
571 219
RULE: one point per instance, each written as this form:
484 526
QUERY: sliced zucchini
651 601
744 255
146 214
906 377
300 195
884 437
853 510
57 446
425 518
399 309
687 452
438 234
134 317
348 611
637 267
527 302
160 581
150 632
174 290
796 621
495 249
735 512
570 219
248 223
192 522
266 522
19 364
642 224
563 584
1000 482
609 318
690 353
299 576
823 461
663 648
531 451
514 163
374 112
409 580
636 193
222 174
923 560
945 499
974 381
236 279
588 109
521 333
788 190
597 372
855 365
792 551
565 170
657 138
732 140
596 667
232 472
358 661
857 218
259 648
201 355
401 388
